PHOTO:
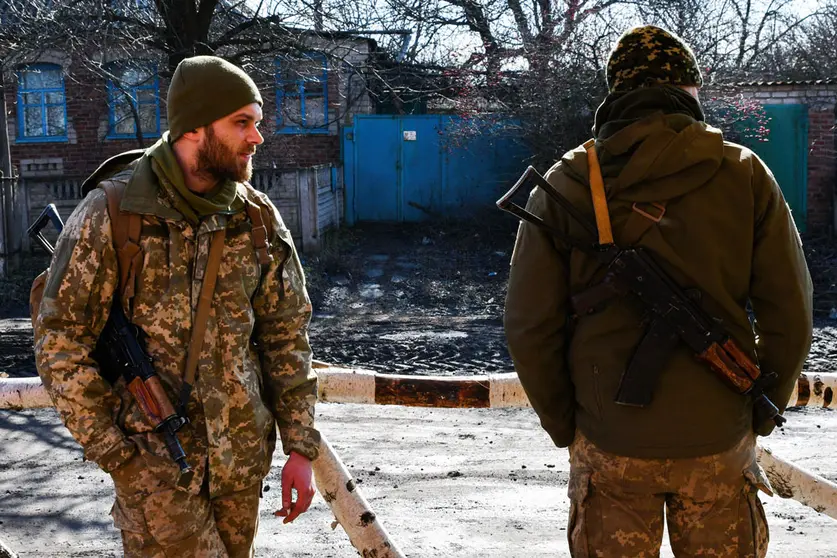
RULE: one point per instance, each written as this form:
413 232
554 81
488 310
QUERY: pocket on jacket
578 490
126 518
145 472
174 518
753 532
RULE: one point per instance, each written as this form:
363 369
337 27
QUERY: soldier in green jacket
724 230
254 369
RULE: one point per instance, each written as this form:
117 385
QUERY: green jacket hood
654 158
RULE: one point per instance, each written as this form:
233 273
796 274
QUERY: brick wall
87 122
822 169
821 100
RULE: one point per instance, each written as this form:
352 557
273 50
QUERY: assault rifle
675 315
120 352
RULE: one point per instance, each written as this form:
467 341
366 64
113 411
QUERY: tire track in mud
432 345
440 345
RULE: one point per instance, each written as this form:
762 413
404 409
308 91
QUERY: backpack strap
109 168
127 229
261 232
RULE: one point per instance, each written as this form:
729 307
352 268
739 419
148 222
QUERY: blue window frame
133 87
302 94
41 103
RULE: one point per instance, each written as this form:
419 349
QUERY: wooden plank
308 210
327 208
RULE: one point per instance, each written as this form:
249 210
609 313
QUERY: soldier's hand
296 475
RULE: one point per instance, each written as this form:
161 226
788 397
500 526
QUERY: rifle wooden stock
152 400
732 365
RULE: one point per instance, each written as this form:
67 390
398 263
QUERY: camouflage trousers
159 521
711 504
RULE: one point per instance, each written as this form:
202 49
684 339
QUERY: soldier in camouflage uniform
254 371
723 228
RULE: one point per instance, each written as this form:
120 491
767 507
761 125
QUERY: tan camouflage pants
159 521
711 504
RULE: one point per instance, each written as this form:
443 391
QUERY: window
134 88
41 103
302 95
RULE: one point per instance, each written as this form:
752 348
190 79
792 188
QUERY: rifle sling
216 250
599 196
636 387
639 222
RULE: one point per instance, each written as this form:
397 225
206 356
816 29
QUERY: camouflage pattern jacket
254 372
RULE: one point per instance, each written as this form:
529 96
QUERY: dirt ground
412 299
448 483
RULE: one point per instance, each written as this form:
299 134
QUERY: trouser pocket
579 494
754 535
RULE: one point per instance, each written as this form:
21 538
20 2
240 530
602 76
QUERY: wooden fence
310 200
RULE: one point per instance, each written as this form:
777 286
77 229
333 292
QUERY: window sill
52 139
123 137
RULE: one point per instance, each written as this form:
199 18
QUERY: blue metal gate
406 168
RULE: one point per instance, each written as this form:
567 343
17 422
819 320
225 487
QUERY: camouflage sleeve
283 311
73 311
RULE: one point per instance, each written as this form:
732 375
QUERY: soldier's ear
195 135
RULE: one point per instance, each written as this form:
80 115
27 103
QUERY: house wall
821 101
53 171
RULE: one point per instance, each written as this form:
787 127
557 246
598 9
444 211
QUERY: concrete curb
356 385
814 390
349 385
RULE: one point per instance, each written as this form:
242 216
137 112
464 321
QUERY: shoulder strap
127 228
213 263
262 230
639 221
599 198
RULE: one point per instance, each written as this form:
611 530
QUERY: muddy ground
413 299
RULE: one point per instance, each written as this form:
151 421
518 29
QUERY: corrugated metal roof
829 81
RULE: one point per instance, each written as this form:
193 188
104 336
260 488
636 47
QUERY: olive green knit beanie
648 56
204 89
